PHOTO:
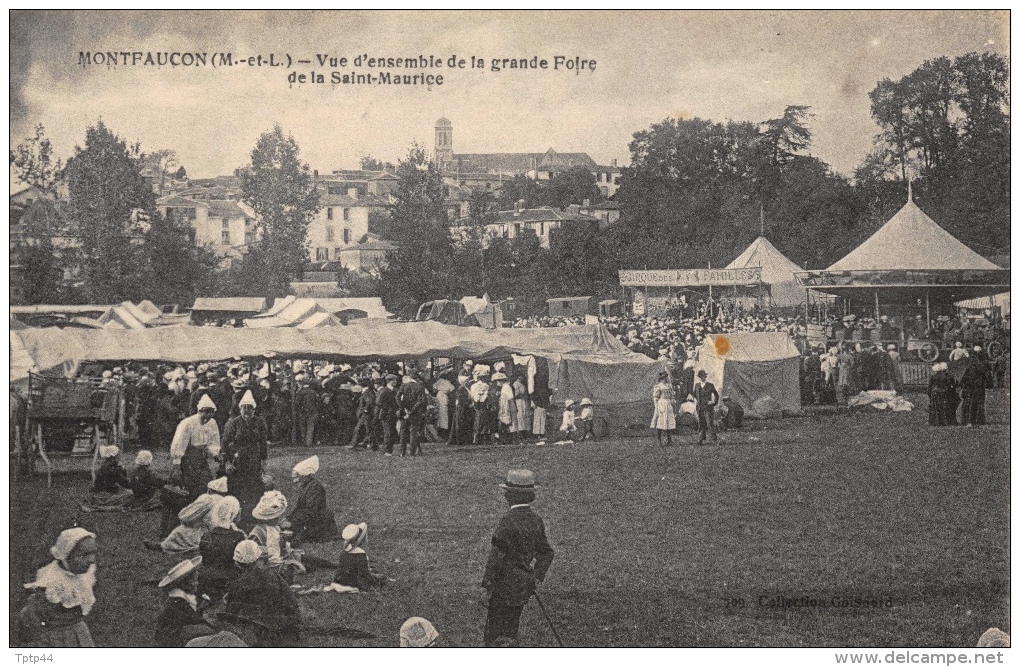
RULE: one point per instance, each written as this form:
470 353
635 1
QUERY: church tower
444 143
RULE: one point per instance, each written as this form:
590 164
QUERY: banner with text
690 277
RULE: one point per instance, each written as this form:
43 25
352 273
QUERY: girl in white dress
664 402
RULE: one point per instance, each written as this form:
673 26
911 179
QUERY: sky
739 65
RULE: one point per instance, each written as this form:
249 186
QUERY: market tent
445 311
777 271
607 379
120 317
372 307
301 313
372 339
749 366
318 319
486 313
229 304
911 241
149 308
986 302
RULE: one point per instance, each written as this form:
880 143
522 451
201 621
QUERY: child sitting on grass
353 569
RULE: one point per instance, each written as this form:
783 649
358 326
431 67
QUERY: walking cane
548 620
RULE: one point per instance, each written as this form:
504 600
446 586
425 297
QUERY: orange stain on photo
722 345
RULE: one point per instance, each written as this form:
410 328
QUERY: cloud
718 65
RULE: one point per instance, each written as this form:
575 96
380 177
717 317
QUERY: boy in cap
311 520
705 398
245 450
518 560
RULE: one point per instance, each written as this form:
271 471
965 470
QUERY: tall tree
517 189
175 270
279 187
947 125
572 186
915 114
108 200
369 163
162 164
41 273
419 269
782 138
33 162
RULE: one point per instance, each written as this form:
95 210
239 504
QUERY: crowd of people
677 332
388 407
238 538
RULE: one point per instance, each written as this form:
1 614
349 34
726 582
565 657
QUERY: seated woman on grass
111 491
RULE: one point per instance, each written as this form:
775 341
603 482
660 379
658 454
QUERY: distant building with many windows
225 226
543 221
488 170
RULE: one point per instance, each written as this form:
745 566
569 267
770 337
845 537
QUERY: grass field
685 546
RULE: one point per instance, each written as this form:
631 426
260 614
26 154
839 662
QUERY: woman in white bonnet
311 520
54 615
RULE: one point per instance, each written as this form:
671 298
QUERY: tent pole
876 306
710 294
927 310
293 405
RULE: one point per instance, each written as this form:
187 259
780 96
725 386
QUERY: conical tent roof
777 271
775 266
911 241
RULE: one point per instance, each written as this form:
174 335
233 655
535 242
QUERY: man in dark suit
705 398
413 402
364 434
308 405
518 561
386 409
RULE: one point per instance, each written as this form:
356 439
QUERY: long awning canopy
907 286
46 350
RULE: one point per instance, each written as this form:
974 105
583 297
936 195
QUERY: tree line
696 191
